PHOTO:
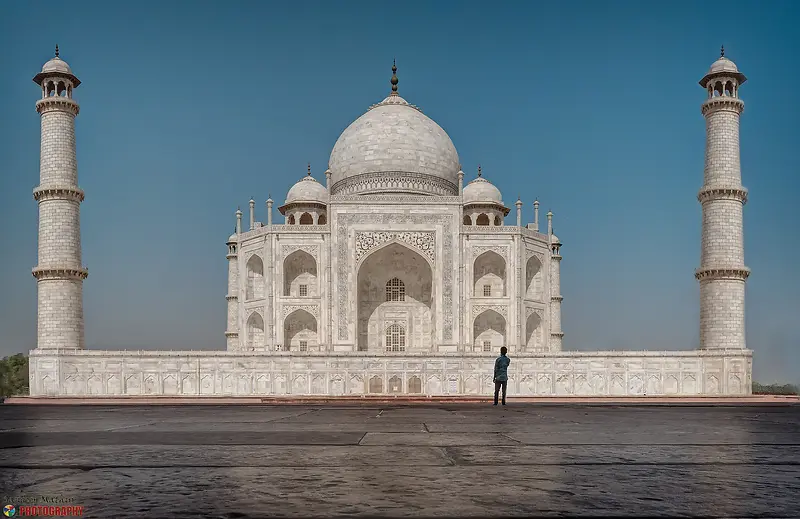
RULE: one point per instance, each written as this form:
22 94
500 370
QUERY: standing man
501 374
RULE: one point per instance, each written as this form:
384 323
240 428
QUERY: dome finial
479 170
56 49
394 80
722 51
309 169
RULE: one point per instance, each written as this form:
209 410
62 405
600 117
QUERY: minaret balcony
57 103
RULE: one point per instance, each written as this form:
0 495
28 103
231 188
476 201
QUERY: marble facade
392 277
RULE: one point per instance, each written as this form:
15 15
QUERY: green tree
775 389
14 375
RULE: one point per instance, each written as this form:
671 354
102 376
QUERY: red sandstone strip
400 400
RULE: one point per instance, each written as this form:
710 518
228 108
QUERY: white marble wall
86 372
361 226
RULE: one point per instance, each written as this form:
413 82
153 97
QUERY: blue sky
190 108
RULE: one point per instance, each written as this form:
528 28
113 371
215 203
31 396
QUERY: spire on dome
479 171
56 49
722 51
309 169
394 79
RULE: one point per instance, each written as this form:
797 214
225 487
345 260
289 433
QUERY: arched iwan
489 270
534 279
300 269
489 331
255 332
395 286
534 338
300 332
255 278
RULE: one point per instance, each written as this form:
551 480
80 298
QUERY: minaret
59 272
232 297
252 214
722 272
556 335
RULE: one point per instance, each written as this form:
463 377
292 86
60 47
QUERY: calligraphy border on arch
288 309
288 249
423 242
345 220
500 309
533 310
529 253
502 250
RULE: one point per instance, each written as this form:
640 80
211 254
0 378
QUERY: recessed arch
534 279
300 269
306 219
255 278
467 219
255 331
489 270
414 311
395 384
300 332
414 384
489 331
482 220
497 221
290 219
376 384
322 220
533 333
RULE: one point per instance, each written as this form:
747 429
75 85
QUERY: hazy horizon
189 109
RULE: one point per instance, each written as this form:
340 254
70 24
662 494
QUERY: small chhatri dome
56 67
307 190
723 67
554 239
481 190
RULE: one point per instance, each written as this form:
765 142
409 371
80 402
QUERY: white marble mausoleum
393 274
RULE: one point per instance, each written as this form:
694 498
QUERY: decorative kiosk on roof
391 278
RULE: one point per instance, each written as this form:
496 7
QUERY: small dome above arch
481 190
307 190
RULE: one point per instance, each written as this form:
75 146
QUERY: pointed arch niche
534 337
395 288
255 332
489 270
300 268
255 278
534 279
489 331
300 332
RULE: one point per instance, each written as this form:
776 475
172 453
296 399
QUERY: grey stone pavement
446 460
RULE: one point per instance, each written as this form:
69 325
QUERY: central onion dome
394 148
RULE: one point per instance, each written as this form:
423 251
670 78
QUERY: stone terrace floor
456 460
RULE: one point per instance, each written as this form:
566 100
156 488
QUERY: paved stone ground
456 460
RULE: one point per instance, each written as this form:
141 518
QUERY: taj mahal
392 274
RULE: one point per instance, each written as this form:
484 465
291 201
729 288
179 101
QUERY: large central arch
394 298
